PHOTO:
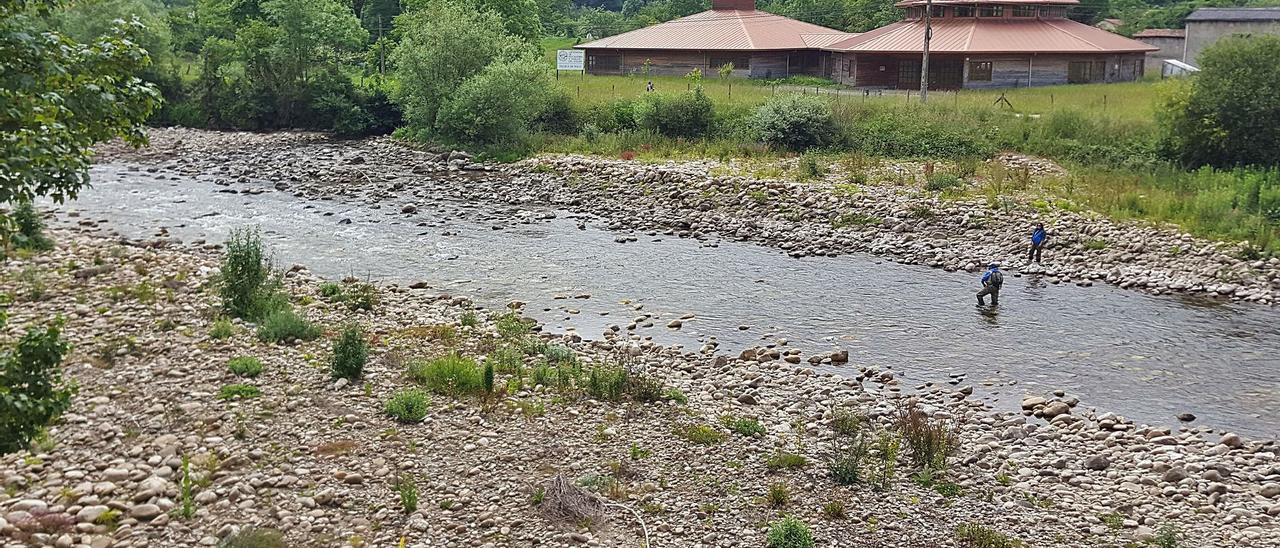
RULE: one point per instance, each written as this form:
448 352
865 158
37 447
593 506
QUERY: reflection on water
1146 357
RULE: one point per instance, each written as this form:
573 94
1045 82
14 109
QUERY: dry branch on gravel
566 502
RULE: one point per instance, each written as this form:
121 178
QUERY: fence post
579 90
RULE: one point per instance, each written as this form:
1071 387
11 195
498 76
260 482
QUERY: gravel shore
317 459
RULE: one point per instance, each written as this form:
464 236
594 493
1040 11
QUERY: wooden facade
897 71
751 64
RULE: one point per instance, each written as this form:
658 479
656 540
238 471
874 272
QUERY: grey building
1206 25
1172 43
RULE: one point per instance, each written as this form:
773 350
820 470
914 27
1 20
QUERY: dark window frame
991 11
980 71
963 11
938 12
1024 11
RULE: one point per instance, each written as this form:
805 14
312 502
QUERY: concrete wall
1170 48
1202 34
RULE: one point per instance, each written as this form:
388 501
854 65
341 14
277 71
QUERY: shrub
408 406
558 115
469 319
32 392
284 325
222 329
506 359
789 533
238 391
245 366
783 460
331 292
981 536
795 122
743 426
496 105
778 495
511 325
1229 114
1168 537
449 374
930 441
608 383
350 353
688 115
834 510
939 182
487 378
701 434
248 286
408 491
255 537
28 228
558 354
362 296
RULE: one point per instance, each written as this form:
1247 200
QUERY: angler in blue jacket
992 279
1038 237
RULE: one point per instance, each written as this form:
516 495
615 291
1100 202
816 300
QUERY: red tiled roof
914 3
1161 33
737 30
991 35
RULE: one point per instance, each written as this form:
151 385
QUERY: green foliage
408 406
789 533
1168 537
443 45
834 510
487 378
930 441
32 392
469 319
27 230
187 503
254 537
980 536
331 292
249 287
939 182
701 434
511 325
498 104
286 325
607 383
783 460
506 359
1229 114
238 391
795 122
743 426
245 366
61 97
350 353
778 495
408 492
850 446
450 374
222 329
688 115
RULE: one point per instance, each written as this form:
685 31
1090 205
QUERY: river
1146 357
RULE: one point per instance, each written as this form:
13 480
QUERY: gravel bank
317 459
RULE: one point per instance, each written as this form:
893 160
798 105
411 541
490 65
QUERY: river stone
1175 475
90 514
1056 408
1270 490
1232 440
1097 462
1032 402
145 511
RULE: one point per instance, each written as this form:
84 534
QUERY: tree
32 392
58 97
498 104
1229 114
519 17
441 46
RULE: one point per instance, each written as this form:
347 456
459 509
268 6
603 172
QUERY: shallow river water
1145 357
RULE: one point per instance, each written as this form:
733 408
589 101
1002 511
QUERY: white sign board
570 59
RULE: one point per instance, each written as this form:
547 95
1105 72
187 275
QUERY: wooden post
924 61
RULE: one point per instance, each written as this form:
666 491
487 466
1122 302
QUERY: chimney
740 5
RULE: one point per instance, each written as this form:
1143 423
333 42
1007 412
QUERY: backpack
997 279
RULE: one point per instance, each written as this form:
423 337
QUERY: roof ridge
1076 36
750 43
968 40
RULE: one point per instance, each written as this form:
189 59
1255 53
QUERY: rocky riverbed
876 207
317 459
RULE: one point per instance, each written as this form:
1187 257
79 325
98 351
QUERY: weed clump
981 536
450 374
34 393
408 406
238 392
930 441
245 366
408 491
789 533
743 426
222 329
255 537
284 325
778 495
701 434
28 228
350 353
783 460
247 284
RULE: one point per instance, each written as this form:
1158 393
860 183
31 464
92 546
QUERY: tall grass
450 374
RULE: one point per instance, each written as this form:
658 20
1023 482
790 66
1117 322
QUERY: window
1048 12
598 62
914 13
740 62
991 11
980 71
962 11
1024 11
937 12
1079 72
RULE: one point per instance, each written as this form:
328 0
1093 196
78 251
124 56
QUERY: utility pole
924 62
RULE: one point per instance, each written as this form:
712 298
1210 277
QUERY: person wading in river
1038 237
992 279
